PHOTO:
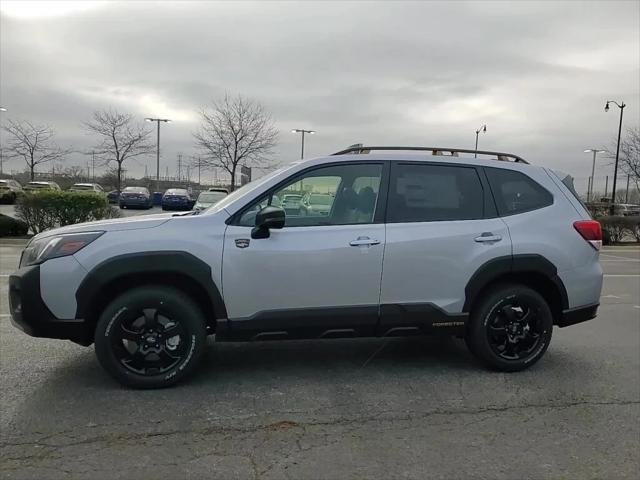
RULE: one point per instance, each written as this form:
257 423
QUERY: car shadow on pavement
249 380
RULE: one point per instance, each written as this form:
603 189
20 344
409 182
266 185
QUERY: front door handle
488 237
363 241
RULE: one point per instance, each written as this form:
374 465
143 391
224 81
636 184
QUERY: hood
111 225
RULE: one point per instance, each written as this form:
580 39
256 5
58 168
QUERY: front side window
334 195
515 192
430 193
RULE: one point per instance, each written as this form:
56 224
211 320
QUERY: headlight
56 246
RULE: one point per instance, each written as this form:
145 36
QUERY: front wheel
510 329
150 337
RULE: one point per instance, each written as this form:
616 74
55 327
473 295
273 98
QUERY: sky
379 73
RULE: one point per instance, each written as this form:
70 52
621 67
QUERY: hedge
11 227
616 228
48 209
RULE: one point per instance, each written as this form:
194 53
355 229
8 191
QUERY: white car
86 187
209 199
495 251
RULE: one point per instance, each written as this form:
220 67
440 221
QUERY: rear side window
515 192
431 193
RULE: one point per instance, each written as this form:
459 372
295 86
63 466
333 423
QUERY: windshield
135 190
233 196
82 187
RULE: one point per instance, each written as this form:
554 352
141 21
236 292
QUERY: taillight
591 231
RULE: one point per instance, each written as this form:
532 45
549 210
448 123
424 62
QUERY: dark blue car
135 197
177 199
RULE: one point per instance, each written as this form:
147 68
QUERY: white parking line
619 258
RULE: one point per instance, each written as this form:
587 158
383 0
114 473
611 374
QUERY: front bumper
578 315
30 314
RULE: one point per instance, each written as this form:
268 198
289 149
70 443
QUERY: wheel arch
531 270
180 270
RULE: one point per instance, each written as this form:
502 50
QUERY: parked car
208 199
496 252
316 204
113 196
86 187
9 190
218 189
37 186
291 203
135 197
627 209
177 199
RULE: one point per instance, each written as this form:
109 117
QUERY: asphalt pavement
339 409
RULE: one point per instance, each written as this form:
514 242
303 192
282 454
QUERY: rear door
441 227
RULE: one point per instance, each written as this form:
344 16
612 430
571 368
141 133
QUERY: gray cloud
537 73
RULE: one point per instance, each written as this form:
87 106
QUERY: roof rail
438 151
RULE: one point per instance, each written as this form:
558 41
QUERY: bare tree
75 173
235 132
121 138
33 143
630 155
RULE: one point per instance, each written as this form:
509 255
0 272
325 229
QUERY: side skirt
391 320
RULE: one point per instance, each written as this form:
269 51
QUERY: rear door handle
488 237
364 241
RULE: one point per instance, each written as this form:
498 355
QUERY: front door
320 275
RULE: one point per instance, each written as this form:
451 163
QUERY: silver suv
415 241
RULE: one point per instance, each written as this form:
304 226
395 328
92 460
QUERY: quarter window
515 192
430 193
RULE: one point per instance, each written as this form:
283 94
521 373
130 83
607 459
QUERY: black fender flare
513 264
148 263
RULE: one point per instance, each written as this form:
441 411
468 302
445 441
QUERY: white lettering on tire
113 319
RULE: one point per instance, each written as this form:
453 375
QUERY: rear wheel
150 337
510 329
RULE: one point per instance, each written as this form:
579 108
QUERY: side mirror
267 218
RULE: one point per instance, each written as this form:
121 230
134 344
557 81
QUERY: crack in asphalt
48 449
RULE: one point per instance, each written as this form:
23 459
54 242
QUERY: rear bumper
30 314
176 205
134 202
578 315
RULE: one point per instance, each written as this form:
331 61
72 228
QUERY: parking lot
368 408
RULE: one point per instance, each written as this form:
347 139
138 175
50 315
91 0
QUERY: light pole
303 131
158 120
2 109
593 170
482 129
621 106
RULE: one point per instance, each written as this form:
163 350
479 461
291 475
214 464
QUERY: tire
511 328
129 326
